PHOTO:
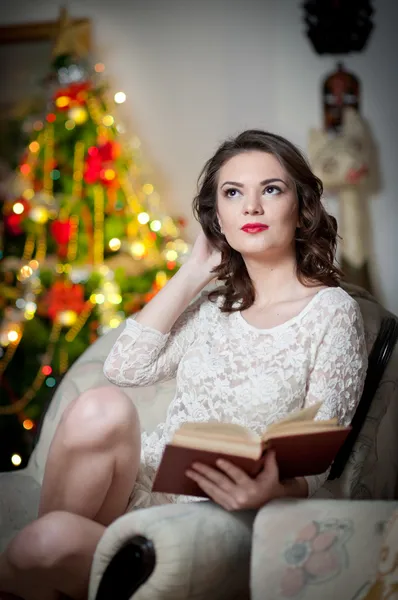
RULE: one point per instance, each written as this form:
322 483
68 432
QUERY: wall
195 72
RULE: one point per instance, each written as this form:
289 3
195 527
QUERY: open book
302 447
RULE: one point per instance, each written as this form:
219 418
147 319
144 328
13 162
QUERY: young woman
278 334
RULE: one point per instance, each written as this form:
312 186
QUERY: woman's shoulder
336 297
334 305
204 304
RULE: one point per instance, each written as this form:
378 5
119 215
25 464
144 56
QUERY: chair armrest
175 551
19 503
317 548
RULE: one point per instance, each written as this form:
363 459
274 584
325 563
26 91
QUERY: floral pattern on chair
316 555
385 587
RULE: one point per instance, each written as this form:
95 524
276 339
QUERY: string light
16 460
39 214
120 97
99 67
18 208
13 335
34 147
84 315
28 194
115 298
115 322
148 189
63 360
34 264
98 225
109 174
143 218
48 159
25 169
29 247
28 424
72 245
161 278
67 317
114 244
156 225
78 166
50 382
138 249
62 101
20 404
171 255
78 114
108 120
41 245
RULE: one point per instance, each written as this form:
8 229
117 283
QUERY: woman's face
257 206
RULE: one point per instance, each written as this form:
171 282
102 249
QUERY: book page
214 429
302 418
301 430
222 445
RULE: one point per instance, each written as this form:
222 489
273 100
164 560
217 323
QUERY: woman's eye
272 190
231 193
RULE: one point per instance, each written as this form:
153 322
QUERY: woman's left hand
233 489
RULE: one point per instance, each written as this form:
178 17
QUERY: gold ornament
74 36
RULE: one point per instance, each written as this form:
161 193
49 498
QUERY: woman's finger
215 476
234 473
213 491
270 469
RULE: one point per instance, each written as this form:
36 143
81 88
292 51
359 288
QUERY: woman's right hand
204 255
170 302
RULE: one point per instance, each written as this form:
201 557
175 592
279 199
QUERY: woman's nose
253 205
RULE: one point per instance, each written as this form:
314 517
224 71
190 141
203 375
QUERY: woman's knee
44 543
99 415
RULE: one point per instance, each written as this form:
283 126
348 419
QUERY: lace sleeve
143 356
339 372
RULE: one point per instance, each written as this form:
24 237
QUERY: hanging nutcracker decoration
340 151
340 90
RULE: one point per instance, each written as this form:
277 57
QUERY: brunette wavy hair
316 236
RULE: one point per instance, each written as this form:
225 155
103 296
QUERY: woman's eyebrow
264 182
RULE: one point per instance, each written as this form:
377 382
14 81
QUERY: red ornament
64 296
12 221
76 93
12 224
100 159
61 231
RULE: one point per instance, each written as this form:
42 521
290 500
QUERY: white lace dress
228 370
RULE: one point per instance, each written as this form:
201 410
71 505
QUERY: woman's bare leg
94 457
90 472
64 545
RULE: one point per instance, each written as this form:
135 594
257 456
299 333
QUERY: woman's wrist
294 488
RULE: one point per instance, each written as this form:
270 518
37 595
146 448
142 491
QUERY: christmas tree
85 242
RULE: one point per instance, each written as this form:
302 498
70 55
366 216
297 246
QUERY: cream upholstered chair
200 550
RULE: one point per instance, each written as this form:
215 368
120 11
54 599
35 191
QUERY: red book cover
297 455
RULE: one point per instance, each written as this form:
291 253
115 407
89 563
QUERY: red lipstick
254 227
